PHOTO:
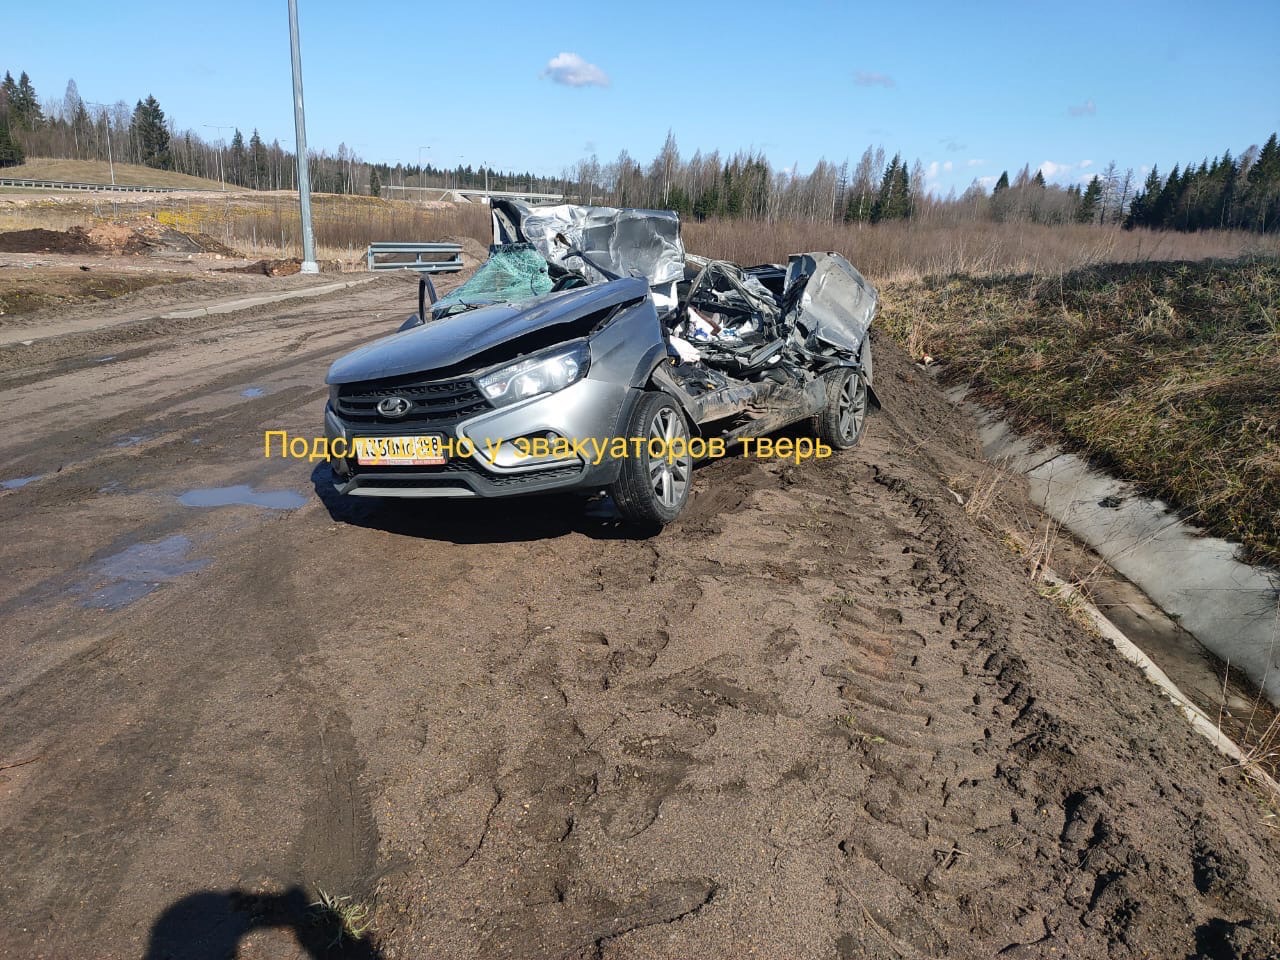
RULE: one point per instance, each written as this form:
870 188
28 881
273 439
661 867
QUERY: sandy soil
823 715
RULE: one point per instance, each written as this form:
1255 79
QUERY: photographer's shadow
211 925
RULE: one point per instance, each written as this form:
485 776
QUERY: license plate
400 451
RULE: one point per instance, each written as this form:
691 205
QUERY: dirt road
823 715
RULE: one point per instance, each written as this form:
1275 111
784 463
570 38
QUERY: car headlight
333 395
544 373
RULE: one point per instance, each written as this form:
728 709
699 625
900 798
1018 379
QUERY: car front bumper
587 409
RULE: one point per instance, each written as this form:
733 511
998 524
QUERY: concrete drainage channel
1199 720
1230 607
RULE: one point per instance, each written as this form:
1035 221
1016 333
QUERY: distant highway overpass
468 194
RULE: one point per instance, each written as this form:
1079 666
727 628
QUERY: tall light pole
309 264
222 142
420 149
106 122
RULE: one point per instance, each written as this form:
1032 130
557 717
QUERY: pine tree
1038 180
375 183
148 130
10 150
1001 200
8 92
258 172
1087 211
1140 210
1165 207
893 201
1261 195
27 104
236 162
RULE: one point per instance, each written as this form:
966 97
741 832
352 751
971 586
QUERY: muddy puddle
253 392
137 570
1228 606
242 495
18 483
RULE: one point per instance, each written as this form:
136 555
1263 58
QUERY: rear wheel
652 490
844 420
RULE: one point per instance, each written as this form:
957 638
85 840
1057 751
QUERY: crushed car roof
601 243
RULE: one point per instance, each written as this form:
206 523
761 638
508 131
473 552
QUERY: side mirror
413 321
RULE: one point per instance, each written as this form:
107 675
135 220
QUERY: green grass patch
1168 374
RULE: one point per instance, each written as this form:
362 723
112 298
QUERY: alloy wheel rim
852 407
669 477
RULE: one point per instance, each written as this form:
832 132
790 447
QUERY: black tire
652 492
843 421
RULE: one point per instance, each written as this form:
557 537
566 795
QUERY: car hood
452 340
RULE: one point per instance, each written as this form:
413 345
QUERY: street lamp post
222 142
309 264
106 121
421 182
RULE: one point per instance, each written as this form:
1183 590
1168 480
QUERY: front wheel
844 419
653 484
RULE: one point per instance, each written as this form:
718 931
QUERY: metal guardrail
417 250
37 184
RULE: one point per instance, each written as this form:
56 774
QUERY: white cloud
869 78
1086 109
1066 172
933 173
974 163
988 182
571 70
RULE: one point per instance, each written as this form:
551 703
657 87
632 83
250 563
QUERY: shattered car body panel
832 304
599 243
631 338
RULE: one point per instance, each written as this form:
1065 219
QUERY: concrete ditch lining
1199 721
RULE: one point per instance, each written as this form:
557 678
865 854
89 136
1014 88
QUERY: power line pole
309 264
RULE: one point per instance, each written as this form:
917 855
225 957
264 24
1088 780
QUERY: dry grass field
258 224
898 251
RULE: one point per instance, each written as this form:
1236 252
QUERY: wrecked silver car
590 353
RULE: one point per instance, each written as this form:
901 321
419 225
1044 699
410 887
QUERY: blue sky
968 89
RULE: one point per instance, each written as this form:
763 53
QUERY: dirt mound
39 240
116 238
136 238
282 268
269 268
210 245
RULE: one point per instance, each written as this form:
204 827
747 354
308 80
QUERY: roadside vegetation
1166 373
99 171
